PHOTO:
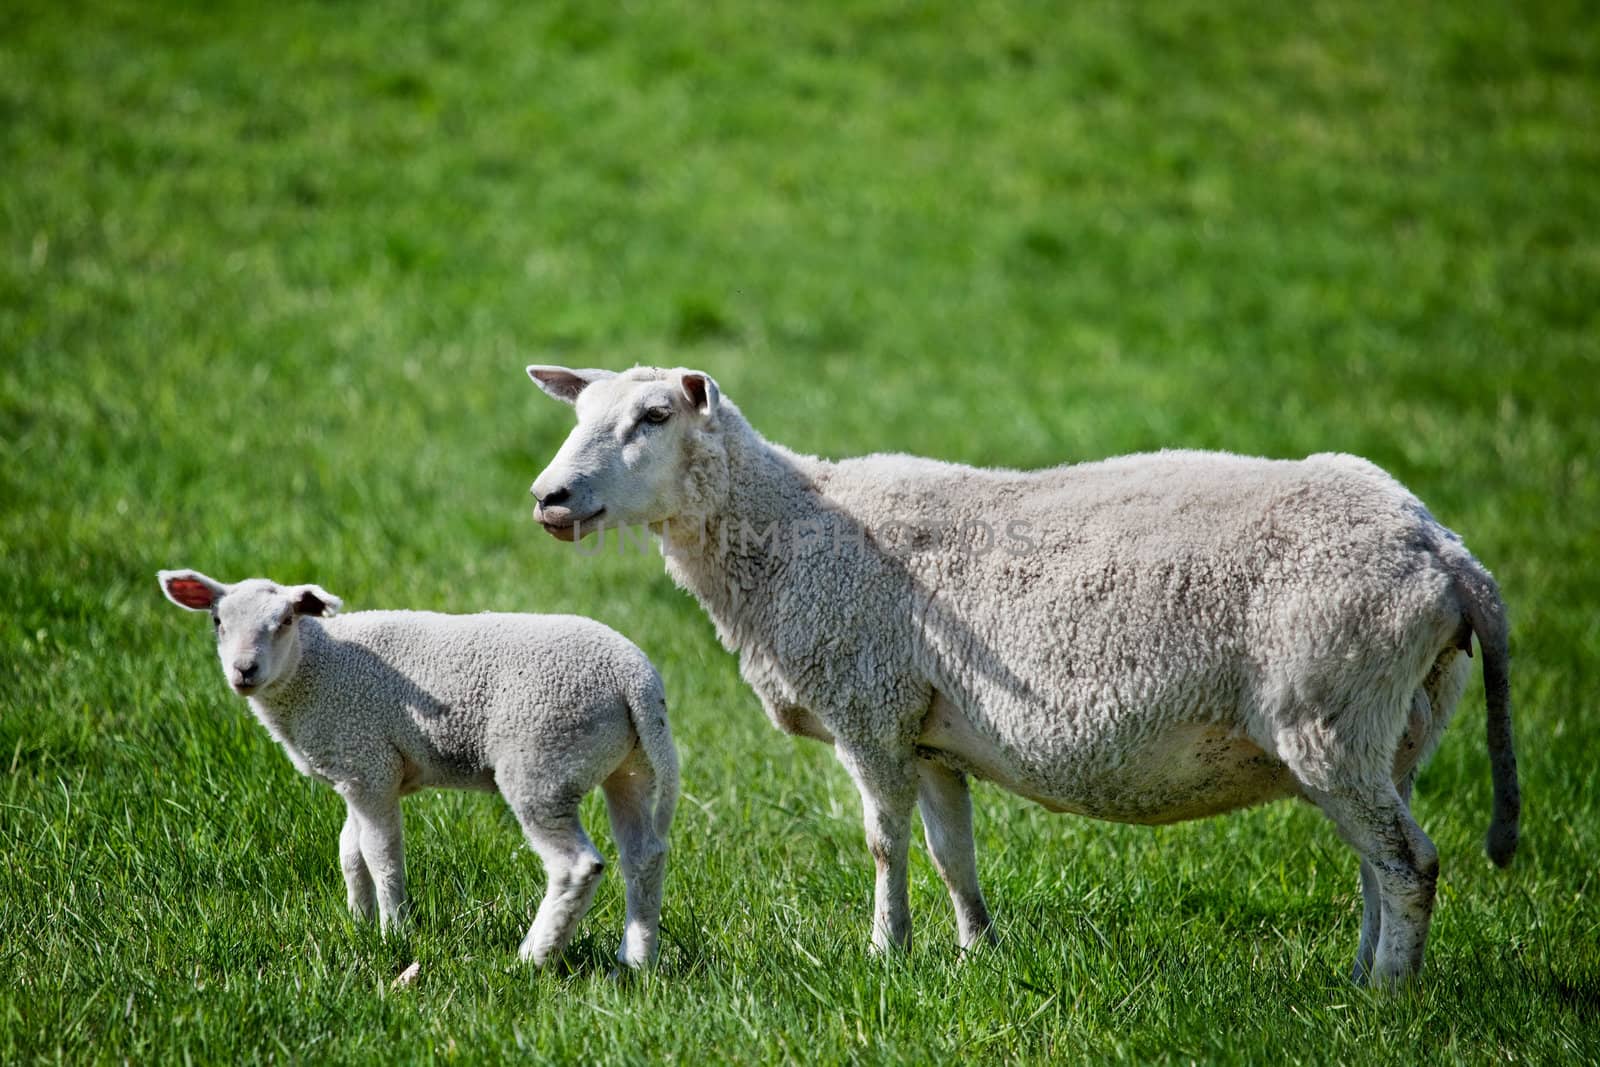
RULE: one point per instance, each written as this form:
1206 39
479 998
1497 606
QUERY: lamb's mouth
244 690
569 531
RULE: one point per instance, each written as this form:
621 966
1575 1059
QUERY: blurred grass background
269 277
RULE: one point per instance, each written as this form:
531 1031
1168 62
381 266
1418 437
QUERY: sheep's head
639 454
254 620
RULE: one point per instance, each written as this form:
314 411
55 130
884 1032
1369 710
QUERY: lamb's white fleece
542 708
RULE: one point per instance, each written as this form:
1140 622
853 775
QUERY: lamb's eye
285 622
657 415
216 622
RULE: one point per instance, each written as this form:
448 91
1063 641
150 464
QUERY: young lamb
541 708
1146 639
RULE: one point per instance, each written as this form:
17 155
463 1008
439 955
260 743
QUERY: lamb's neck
726 555
276 705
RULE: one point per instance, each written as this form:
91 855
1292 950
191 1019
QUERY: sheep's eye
217 623
657 415
283 623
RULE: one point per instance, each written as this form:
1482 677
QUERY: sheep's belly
1184 771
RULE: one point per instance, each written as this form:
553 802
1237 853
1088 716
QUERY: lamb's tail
647 700
1486 615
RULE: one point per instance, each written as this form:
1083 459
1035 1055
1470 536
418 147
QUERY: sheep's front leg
946 806
888 789
382 840
359 890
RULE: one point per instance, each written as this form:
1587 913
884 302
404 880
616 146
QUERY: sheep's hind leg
1371 925
572 868
360 893
1404 869
630 793
1371 905
946 806
888 790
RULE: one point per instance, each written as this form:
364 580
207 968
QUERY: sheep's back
1173 579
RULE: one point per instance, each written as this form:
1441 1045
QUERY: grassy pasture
268 278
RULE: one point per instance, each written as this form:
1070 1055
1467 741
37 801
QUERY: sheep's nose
247 672
553 497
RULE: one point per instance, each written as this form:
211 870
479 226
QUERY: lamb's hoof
637 957
396 929
544 958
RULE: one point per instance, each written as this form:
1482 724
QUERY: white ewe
541 708
1146 639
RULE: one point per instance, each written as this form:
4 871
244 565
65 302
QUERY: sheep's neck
726 558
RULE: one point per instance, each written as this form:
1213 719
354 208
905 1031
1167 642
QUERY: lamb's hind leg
946 807
572 869
630 792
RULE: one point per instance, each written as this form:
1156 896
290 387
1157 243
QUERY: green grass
268 278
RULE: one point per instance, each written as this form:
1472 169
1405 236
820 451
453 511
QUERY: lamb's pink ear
314 600
191 589
564 383
700 391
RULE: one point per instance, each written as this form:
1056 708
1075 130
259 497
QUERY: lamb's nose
247 672
554 497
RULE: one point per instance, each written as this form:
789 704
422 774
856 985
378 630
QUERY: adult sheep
1146 639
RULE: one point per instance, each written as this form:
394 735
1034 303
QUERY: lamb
1146 639
541 708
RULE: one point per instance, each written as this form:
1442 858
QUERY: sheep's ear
191 589
563 383
314 600
701 392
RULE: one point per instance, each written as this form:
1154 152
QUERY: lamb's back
468 686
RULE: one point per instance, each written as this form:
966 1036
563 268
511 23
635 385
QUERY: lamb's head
257 638
646 450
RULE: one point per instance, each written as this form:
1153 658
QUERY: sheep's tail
647 701
1486 615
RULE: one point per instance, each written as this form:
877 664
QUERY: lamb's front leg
382 839
888 789
360 893
946 806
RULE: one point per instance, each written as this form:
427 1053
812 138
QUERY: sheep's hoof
983 938
890 950
1383 981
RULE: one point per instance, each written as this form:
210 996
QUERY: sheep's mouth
571 531
244 690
